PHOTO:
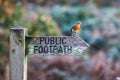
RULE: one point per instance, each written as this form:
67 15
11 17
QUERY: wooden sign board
22 45
54 45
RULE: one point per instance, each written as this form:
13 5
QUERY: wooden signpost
22 45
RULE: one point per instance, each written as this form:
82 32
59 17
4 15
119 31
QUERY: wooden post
18 59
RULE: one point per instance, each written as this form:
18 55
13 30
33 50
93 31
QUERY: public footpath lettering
52 45
55 44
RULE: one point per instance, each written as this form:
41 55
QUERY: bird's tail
71 30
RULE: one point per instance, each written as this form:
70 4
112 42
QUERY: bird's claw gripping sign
53 45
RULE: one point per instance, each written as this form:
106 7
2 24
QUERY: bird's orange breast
76 27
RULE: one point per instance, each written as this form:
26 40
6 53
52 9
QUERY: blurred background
100 28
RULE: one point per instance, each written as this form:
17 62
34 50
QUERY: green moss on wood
19 38
28 45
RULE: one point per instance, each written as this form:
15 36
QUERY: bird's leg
75 33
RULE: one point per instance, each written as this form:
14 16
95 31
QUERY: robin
76 26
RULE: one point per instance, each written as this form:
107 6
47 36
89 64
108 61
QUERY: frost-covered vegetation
100 28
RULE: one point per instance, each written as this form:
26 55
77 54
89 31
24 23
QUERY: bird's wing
72 28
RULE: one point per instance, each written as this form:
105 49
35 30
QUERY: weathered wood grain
18 60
